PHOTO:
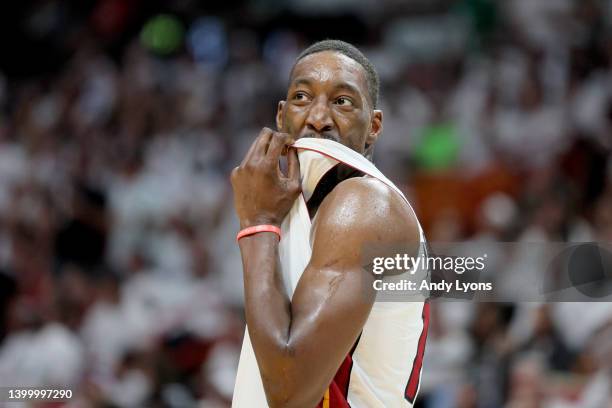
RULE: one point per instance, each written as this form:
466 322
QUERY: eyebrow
342 85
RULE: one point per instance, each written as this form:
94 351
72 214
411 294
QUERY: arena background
120 122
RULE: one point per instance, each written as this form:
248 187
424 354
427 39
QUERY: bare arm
300 344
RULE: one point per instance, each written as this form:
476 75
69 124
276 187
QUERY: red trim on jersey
338 389
415 375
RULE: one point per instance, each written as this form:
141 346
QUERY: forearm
269 320
267 306
264 195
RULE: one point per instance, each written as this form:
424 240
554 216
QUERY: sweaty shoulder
364 210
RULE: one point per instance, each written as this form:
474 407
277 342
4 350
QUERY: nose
319 118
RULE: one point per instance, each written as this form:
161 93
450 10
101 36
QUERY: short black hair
353 53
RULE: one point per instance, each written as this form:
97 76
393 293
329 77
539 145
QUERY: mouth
327 136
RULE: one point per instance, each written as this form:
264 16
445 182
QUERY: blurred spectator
119 275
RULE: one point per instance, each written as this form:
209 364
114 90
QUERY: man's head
333 94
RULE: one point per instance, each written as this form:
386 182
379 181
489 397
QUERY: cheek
355 129
293 119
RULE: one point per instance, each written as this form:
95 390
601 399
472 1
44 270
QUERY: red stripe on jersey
338 389
413 382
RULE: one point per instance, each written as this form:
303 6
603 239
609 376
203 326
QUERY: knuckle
276 138
295 186
253 165
234 174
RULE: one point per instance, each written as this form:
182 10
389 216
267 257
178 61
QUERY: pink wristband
258 228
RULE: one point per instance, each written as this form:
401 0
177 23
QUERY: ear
279 116
376 127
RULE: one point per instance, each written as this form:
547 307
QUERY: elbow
286 387
295 400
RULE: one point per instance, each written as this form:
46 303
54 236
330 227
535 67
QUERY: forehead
330 67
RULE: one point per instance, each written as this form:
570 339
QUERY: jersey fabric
384 367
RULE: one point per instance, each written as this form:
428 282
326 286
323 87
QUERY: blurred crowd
120 278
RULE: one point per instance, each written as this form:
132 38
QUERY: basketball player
323 341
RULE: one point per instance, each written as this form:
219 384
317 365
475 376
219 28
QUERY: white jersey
384 367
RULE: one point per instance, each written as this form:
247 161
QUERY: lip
321 136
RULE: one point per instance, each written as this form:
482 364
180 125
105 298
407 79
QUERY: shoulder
365 209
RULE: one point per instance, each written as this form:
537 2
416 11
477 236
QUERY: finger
234 174
293 165
278 142
259 145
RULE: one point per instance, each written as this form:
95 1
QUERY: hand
262 193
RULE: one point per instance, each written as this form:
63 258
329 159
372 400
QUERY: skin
300 342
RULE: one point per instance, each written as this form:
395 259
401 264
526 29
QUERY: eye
344 101
300 96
